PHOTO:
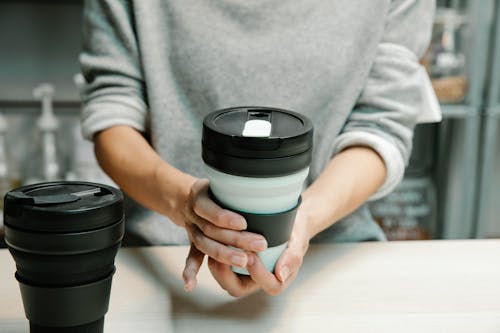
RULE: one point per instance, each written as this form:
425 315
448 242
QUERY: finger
291 260
288 264
192 267
243 240
209 210
235 285
216 250
262 277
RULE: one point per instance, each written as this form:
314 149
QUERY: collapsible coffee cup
64 237
257 159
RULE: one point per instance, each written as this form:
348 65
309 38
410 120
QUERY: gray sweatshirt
160 66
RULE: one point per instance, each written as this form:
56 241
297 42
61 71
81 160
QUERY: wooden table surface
426 286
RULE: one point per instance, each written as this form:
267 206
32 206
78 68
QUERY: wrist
305 216
173 187
317 214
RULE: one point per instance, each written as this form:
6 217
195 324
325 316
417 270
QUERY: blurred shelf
44 2
458 110
448 110
42 42
33 106
492 110
493 92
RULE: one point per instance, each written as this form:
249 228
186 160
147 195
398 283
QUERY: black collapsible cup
64 237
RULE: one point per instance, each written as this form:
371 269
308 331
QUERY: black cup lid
257 141
64 206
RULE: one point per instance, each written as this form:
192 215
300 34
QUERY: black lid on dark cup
231 146
64 237
63 206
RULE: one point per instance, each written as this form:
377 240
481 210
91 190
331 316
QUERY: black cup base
69 306
94 327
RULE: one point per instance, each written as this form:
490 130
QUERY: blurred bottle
445 59
5 184
45 164
84 165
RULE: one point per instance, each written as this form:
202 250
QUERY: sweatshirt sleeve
113 87
387 109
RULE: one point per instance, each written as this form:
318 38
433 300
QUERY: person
153 70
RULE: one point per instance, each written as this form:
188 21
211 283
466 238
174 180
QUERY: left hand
286 268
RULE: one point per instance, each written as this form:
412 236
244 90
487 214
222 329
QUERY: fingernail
259 244
285 271
238 223
239 261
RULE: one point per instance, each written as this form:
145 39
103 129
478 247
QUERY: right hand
131 161
212 231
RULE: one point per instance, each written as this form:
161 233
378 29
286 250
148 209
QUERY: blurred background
450 190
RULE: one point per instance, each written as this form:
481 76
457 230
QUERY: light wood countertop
426 286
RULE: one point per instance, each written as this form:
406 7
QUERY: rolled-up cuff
394 162
100 115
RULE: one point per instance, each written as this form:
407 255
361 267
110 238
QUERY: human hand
285 271
212 231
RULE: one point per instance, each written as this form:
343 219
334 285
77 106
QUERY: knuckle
237 240
197 204
192 194
207 228
224 218
197 239
200 184
242 239
187 216
219 253
202 226
241 242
